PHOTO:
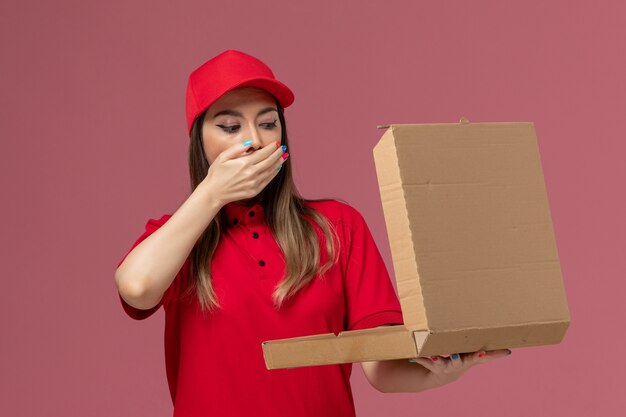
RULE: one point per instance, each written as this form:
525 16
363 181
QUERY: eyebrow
238 114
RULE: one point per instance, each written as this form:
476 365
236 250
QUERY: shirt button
235 221
251 213
255 235
262 262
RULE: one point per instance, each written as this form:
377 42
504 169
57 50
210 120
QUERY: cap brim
279 90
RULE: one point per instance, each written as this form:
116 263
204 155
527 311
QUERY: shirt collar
239 214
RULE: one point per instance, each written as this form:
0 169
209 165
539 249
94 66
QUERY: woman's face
240 114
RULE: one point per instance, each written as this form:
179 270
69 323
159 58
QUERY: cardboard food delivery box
473 250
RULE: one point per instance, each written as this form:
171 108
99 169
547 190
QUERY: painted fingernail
481 354
284 148
277 143
280 167
435 358
454 356
285 155
412 360
247 142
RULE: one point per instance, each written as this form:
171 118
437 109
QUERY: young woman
246 259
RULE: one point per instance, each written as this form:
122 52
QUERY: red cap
227 71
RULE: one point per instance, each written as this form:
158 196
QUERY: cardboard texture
474 254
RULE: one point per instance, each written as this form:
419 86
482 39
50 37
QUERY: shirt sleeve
371 300
136 313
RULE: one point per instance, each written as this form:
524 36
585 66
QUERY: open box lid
469 226
473 250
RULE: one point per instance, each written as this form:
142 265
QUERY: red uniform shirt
215 364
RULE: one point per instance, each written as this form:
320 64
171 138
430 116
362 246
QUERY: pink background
93 144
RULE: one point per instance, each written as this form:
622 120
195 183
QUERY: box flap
397 220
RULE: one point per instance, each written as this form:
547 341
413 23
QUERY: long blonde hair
285 213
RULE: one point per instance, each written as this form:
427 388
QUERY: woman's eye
269 125
229 129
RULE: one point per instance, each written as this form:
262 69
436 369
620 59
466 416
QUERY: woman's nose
255 136
256 141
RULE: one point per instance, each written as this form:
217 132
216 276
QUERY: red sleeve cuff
379 319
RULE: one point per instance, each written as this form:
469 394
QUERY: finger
478 357
234 151
495 354
426 363
270 173
473 358
456 361
263 153
276 158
